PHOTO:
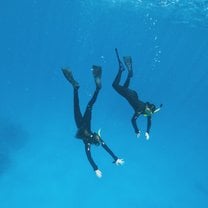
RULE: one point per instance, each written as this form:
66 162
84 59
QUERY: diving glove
98 173
119 162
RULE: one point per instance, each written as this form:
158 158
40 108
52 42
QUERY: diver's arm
108 150
89 157
149 123
117 161
134 124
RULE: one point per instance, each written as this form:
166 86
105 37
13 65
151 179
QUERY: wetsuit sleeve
108 150
134 124
89 157
149 123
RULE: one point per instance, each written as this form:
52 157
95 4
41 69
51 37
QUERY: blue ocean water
42 164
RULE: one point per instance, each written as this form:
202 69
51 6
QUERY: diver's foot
130 73
128 63
121 67
97 73
69 76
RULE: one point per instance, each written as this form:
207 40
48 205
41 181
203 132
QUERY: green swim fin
97 73
69 76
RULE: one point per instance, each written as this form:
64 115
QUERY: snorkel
99 132
150 109
96 138
158 109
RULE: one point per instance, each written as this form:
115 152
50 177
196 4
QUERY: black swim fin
97 73
128 62
69 76
121 66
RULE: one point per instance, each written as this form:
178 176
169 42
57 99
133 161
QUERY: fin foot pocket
97 73
69 76
128 62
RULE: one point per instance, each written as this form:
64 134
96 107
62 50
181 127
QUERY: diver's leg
117 80
128 63
127 82
77 112
122 90
97 72
88 112
93 99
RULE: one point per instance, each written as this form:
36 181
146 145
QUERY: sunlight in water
193 12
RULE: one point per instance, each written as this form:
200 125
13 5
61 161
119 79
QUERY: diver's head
149 109
95 139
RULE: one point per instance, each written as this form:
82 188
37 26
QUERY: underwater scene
138 140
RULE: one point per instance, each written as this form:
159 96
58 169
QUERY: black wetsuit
132 97
83 123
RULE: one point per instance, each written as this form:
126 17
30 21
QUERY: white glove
147 136
98 173
138 135
119 161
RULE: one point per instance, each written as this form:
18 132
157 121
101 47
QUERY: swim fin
128 62
69 76
121 66
97 73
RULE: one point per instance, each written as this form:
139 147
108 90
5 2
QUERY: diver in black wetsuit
140 108
83 123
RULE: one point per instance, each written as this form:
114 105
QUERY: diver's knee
114 85
89 107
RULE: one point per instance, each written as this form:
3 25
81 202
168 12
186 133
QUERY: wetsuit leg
130 95
122 90
88 112
77 112
127 82
117 79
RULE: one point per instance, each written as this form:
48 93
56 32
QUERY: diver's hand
138 134
98 173
119 162
147 136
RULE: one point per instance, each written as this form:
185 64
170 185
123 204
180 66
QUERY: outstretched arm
117 161
89 157
149 123
108 150
134 124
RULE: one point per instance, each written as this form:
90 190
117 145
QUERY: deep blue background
42 165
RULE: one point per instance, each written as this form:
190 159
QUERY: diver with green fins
83 122
140 108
